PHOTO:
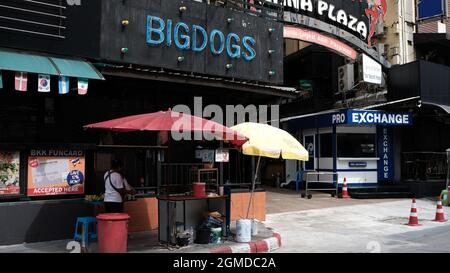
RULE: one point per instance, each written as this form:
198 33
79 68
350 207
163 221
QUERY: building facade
70 64
337 96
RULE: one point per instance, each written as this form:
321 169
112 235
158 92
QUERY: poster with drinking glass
9 173
56 172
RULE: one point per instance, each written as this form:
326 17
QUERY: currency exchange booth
359 145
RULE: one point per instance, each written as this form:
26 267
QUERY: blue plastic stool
90 228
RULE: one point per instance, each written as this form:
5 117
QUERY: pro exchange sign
359 117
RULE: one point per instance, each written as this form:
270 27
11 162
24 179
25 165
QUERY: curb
261 246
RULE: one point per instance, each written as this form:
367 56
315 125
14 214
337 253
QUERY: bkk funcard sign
56 172
9 173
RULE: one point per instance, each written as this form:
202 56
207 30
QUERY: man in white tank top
116 188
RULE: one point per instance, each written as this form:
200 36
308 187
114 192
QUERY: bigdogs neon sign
187 38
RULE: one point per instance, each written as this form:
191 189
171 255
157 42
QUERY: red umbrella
171 121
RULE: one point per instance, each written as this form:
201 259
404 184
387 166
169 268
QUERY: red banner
320 39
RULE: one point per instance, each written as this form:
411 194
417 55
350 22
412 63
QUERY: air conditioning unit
346 77
396 27
442 27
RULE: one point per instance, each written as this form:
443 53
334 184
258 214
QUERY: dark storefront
422 88
225 62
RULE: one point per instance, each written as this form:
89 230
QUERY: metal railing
179 174
255 7
322 179
178 177
424 166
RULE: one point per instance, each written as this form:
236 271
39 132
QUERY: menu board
56 172
9 173
222 155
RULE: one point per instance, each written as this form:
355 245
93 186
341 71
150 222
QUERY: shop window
356 145
326 145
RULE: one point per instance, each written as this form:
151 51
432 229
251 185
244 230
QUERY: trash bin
112 232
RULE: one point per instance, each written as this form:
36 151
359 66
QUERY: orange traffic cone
413 218
439 211
344 189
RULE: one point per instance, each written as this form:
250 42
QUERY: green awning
76 68
26 63
39 64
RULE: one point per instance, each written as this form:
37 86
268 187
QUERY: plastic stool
89 233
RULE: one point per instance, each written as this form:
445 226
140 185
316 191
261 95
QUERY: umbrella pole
253 187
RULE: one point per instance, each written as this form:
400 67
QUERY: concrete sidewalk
374 227
285 200
147 242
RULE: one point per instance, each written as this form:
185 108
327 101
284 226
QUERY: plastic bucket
199 189
112 232
254 227
244 231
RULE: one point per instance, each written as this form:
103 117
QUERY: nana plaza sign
355 16
343 26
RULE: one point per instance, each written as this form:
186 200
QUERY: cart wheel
309 196
333 195
303 195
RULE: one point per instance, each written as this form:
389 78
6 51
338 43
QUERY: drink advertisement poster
56 172
9 173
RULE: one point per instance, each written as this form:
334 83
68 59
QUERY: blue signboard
357 164
385 143
431 8
352 117
75 178
361 117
